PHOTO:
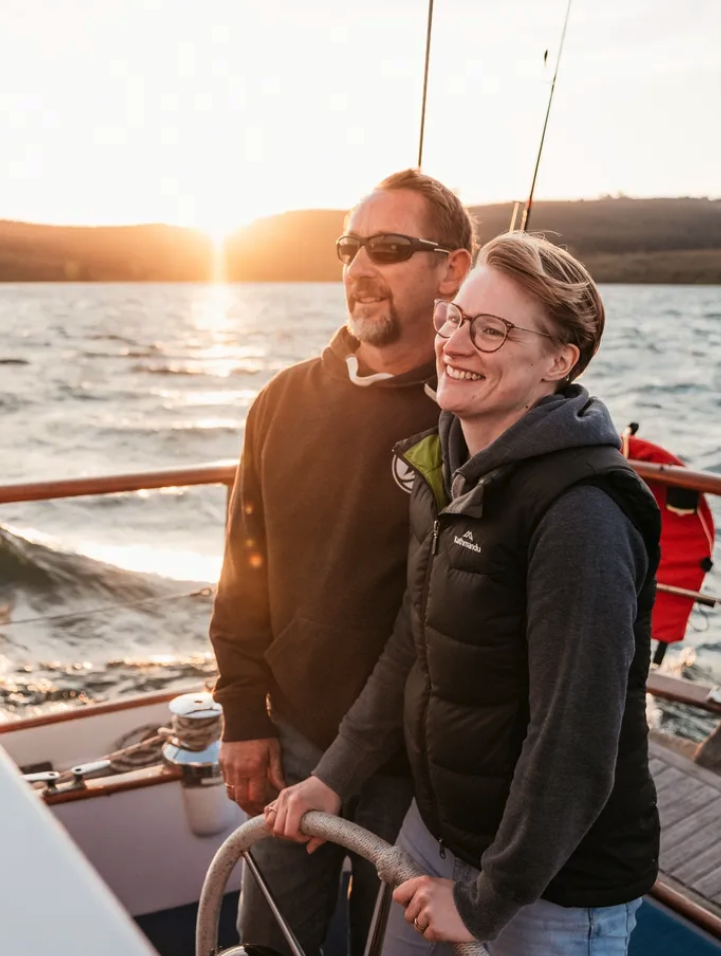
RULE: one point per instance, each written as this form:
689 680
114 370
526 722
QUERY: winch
195 747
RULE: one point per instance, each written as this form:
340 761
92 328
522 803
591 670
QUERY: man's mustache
368 290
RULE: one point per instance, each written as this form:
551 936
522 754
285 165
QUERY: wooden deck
689 802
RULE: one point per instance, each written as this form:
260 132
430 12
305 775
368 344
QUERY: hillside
30 253
621 240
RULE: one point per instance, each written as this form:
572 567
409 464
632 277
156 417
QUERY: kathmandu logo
467 542
403 474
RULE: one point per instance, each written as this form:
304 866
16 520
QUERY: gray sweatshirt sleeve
586 565
372 730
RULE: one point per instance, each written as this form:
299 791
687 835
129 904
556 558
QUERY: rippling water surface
98 379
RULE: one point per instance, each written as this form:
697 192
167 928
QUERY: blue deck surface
172 932
659 932
662 933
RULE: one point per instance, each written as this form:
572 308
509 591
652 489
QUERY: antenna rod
529 202
425 81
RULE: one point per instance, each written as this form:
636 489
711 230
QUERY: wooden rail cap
704 481
118 783
217 473
682 691
223 473
680 903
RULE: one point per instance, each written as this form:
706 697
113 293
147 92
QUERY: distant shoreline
712 283
622 241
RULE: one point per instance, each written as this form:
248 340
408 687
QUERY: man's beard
384 328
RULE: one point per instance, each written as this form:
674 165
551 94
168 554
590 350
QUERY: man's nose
362 265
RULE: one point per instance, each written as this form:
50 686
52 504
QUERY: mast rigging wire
529 202
425 82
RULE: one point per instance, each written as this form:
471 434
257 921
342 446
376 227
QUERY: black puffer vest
466 700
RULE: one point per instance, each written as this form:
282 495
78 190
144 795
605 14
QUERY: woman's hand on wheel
283 815
431 909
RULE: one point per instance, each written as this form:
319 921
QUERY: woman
518 663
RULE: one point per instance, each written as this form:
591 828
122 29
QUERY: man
314 567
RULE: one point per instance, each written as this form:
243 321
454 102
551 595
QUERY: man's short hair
449 222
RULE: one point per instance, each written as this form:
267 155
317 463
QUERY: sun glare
220 220
210 309
217 230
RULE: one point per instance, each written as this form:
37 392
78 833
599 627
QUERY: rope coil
187 733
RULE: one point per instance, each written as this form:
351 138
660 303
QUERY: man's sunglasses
385 249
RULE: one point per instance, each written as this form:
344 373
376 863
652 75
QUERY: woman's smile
461 374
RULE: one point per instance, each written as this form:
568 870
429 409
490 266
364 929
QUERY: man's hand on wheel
283 815
252 771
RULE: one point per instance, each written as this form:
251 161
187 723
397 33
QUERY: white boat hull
139 839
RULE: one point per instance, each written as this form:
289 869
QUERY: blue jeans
305 887
541 929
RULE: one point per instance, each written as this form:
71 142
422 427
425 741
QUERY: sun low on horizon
218 228
212 117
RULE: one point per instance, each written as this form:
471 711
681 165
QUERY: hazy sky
213 112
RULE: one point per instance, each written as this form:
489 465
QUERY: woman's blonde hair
559 282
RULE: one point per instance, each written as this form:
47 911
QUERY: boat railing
214 473
660 685
223 473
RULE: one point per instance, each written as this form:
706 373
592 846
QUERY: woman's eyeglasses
385 249
488 332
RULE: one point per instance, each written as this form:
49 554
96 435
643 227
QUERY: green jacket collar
423 453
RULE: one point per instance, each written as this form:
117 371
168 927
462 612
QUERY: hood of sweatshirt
568 419
339 359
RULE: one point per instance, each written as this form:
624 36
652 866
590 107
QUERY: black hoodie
316 549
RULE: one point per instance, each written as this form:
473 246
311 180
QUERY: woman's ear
562 362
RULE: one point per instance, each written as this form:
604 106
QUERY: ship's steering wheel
393 865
